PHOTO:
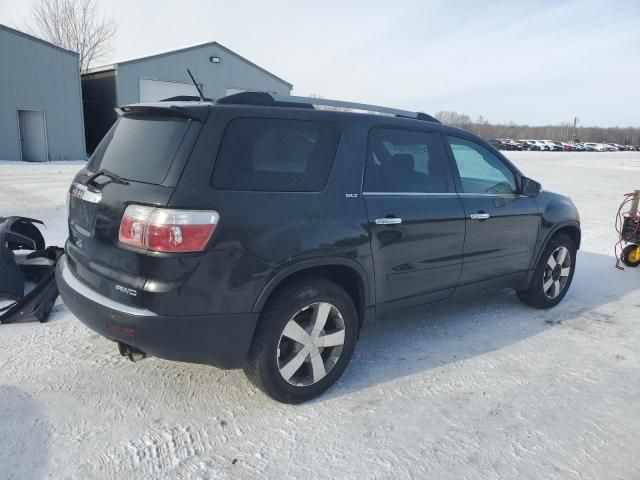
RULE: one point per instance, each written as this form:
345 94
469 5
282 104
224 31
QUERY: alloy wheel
556 272
310 344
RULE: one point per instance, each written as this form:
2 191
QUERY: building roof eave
114 66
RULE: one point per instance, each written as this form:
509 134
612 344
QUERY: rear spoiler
190 112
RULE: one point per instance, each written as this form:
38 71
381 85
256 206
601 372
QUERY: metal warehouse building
40 100
218 71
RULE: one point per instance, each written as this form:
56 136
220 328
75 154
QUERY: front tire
553 274
304 341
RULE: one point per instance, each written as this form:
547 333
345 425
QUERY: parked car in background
595 147
529 145
512 144
505 144
259 232
538 144
552 146
498 143
617 147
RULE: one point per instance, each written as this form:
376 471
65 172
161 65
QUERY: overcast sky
534 62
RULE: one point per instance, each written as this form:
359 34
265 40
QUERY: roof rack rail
273 100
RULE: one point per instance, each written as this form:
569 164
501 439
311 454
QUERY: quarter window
268 154
403 161
480 170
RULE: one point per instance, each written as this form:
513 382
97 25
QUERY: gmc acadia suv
261 231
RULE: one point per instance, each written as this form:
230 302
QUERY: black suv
261 231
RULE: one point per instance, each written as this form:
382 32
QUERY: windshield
140 148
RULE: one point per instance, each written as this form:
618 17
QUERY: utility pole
573 133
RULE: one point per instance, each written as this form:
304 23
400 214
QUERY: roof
114 66
36 39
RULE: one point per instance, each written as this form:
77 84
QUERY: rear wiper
115 178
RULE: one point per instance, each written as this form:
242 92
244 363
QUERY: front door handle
388 221
479 216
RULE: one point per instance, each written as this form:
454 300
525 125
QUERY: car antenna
196 85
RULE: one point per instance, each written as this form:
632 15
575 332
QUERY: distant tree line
561 133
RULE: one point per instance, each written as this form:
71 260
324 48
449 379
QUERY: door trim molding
410 194
443 194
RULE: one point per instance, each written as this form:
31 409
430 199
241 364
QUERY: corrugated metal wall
37 76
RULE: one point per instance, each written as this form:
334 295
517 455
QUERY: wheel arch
572 231
569 227
344 271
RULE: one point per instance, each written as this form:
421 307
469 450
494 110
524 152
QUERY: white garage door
232 91
155 90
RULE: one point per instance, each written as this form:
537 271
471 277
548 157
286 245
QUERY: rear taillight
167 230
134 225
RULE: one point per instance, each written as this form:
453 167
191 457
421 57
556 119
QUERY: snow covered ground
482 388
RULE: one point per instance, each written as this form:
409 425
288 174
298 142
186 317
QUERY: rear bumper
219 340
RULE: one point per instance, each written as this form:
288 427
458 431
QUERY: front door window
480 170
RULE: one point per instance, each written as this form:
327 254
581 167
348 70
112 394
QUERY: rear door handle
479 216
388 221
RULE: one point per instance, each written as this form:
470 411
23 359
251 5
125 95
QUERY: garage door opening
33 136
156 90
233 91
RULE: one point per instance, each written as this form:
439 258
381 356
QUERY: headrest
402 162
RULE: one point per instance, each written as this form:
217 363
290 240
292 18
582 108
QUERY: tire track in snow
160 450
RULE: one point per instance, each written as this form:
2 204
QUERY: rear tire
629 256
553 274
304 341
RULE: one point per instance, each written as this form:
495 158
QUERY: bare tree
76 25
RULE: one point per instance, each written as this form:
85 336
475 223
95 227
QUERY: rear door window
268 154
403 161
140 148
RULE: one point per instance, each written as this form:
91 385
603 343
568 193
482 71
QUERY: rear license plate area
82 216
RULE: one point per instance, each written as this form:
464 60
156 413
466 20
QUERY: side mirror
529 187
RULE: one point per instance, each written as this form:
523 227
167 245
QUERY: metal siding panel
231 72
40 77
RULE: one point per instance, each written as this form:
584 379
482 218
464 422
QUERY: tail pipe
130 352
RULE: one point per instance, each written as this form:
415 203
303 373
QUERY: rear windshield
267 154
140 148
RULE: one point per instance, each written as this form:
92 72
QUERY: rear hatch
139 161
